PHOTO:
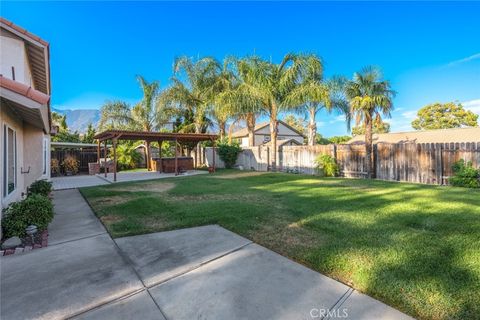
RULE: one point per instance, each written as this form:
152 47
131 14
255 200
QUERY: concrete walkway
73 182
198 273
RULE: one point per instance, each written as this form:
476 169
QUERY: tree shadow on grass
397 245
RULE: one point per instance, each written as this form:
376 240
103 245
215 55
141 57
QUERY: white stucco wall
13 54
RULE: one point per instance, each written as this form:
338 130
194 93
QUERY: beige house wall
263 134
13 54
29 144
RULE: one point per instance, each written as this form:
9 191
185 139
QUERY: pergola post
159 163
176 157
115 160
98 153
196 156
105 157
213 149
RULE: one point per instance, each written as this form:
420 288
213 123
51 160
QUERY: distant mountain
78 119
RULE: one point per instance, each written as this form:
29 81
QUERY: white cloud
467 59
472 105
321 123
409 115
340 118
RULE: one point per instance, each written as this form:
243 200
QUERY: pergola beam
148 137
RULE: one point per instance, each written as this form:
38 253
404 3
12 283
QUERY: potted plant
70 165
54 167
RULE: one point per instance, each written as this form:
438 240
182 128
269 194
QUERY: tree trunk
230 131
251 129
221 129
312 127
147 154
273 137
368 147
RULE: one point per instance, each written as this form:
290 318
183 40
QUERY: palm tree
144 113
266 88
192 89
369 96
234 108
316 94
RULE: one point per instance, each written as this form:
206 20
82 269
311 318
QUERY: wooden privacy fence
412 162
83 156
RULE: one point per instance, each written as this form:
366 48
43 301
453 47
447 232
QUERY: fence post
438 163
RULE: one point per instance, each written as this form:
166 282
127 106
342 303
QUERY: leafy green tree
297 123
64 134
369 96
378 127
88 137
444 116
319 139
339 139
59 120
115 115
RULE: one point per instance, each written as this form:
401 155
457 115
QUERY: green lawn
415 247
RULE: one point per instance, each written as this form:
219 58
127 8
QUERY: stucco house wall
262 135
14 55
8 118
24 108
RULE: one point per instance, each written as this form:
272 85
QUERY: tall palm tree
265 87
144 113
316 94
235 108
192 89
369 97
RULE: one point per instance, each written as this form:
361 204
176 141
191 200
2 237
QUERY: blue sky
430 51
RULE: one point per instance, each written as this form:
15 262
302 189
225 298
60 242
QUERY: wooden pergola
148 137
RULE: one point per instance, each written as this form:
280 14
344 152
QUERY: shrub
36 210
228 153
465 175
326 165
70 164
127 156
42 187
55 167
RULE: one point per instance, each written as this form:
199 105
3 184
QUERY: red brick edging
27 248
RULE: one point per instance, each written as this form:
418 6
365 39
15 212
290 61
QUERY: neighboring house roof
244 132
38 52
283 142
426 136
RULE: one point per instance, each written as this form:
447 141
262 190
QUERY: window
9 160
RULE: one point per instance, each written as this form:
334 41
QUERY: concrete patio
203 273
80 181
